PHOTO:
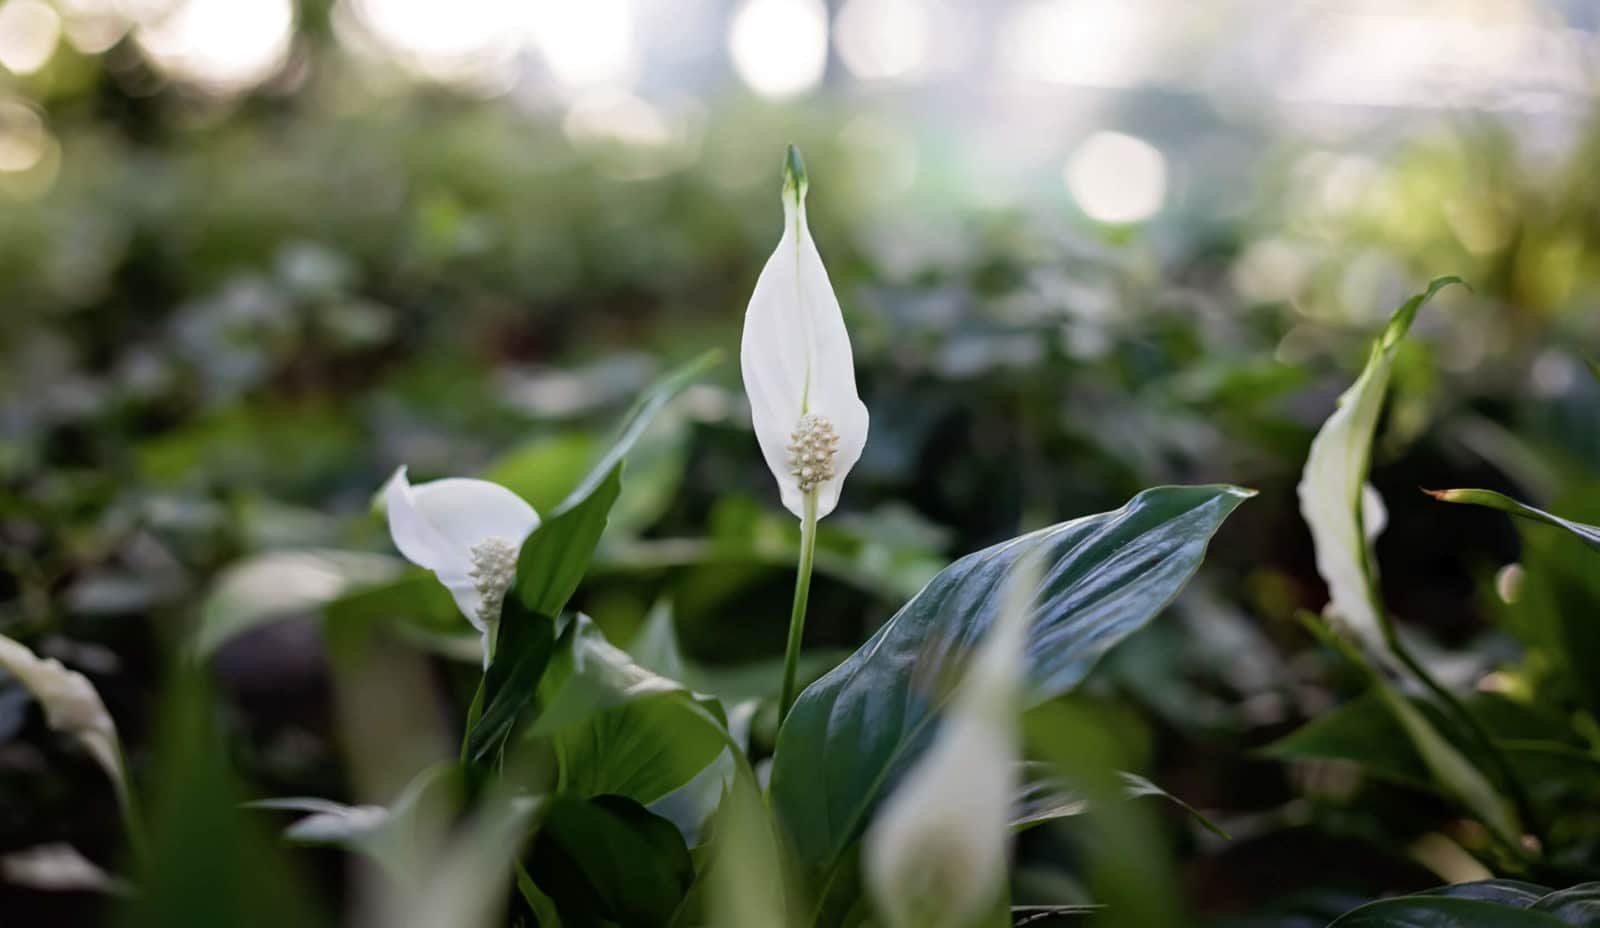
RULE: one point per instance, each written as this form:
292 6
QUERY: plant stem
132 818
797 616
1475 730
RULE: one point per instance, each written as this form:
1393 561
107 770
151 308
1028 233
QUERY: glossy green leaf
608 858
524 642
642 749
1514 893
1576 905
619 728
1442 912
556 555
1590 534
854 731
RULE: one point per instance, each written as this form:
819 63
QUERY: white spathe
1344 512
796 361
71 704
937 851
468 532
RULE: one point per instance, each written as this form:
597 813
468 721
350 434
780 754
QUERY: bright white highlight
1094 43
222 45
23 137
1117 178
463 41
882 38
587 43
780 47
1432 61
29 31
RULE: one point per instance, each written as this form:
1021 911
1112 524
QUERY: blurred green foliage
223 324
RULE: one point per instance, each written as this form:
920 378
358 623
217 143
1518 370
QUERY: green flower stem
797 617
132 818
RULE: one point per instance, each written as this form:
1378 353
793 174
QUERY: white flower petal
1333 491
469 512
417 539
795 356
71 704
940 842
1345 514
936 852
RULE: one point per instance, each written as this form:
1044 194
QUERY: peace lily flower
798 369
801 380
469 533
71 704
936 853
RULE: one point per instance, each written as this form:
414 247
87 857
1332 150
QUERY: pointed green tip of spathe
794 175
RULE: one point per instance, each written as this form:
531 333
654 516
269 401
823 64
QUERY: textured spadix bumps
797 366
468 532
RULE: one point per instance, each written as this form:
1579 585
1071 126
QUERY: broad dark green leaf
555 556
1513 893
854 731
608 858
524 643
1442 912
618 727
1575 905
642 749
1590 534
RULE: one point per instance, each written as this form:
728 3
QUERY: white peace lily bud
468 532
798 370
71 704
936 854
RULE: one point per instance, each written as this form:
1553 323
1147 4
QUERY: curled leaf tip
794 175
1445 495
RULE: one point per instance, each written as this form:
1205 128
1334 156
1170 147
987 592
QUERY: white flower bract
937 851
71 704
468 532
797 365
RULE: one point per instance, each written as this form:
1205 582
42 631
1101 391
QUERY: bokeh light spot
29 31
1117 178
882 38
780 47
224 46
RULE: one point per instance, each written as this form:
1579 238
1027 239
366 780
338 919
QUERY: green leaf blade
1589 534
857 728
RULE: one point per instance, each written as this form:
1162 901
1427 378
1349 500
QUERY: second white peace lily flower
801 380
798 370
71 704
937 851
469 533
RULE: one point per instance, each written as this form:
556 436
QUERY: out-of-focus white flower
936 854
798 369
71 704
468 532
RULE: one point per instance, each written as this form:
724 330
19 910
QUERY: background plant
227 319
